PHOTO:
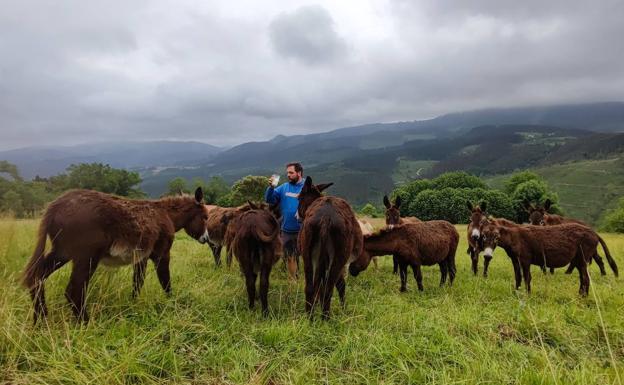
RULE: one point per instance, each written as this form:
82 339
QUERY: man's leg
289 244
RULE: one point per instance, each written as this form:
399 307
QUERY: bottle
275 180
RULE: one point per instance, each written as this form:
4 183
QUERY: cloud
229 72
307 34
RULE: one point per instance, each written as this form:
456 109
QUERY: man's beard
294 181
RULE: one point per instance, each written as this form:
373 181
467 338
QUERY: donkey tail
608 255
32 272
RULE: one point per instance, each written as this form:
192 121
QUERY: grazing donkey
538 215
89 227
393 218
256 245
329 239
552 246
477 219
414 244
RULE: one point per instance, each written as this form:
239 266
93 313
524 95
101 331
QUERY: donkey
393 218
217 225
330 237
414 244
553 246
256 245
538 215
367 229
89 227
477 218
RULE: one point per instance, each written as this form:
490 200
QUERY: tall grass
478 331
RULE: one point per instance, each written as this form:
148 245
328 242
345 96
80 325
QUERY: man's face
293 176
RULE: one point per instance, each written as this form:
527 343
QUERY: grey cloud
78 71
307 34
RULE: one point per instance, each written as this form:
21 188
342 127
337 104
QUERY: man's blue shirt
287 195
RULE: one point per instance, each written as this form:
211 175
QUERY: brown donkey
552 246
393 218
538 215
89 227
477 219
256 245
330 237
414 244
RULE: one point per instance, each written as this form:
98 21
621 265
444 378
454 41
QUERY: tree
177 186
250 187
614 219
369 210
104 178
535 191
519 178
457 179
214 189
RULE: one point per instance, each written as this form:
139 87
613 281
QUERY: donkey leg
403 275
47 265
443 272
138 277
600 264
395 264
309 283
526 272
228 258
517 273
264 288
76 290
418 275
452 269
250 281
474 256
486 265
162 271
341 286
570 268
216 252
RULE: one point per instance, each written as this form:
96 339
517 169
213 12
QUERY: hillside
585 188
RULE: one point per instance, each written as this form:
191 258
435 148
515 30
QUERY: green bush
614 220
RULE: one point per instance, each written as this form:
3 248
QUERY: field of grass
480 331
586 188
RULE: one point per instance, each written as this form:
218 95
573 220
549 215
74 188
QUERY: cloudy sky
226 72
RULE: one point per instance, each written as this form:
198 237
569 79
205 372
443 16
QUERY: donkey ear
547 204
307 185
483 206
397 201
469 205
252 205
199 195
387 202
527 205
323 186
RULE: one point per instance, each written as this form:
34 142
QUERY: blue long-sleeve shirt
287 195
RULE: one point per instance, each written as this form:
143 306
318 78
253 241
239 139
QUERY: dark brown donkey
256 245
552 246
539 216
393 218
217 226
477 219
89 227
415 244
330 237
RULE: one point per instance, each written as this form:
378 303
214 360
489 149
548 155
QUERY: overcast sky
226 72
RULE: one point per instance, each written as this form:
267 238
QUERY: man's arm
273 195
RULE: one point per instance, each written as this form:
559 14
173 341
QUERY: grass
480 331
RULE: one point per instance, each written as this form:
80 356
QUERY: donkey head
309 193
477 216
537 213
393 214
197 221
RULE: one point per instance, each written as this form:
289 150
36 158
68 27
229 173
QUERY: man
287 196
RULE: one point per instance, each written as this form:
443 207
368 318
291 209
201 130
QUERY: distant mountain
51 160
364 160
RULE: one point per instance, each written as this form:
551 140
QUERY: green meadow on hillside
480 331
586 188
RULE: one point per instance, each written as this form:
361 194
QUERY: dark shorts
289 244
